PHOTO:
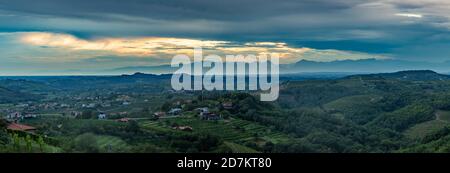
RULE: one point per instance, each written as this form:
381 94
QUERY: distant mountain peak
138 74
417 72
412 75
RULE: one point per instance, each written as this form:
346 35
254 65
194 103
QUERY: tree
87 114
225 114
4 138
206 142
41 143
268 147
166 106
133 127
3 124
16 140
28 142
146 111
86 142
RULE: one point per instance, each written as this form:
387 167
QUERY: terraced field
236 148
443 115
236 130
112 143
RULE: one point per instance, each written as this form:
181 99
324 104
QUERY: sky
77 36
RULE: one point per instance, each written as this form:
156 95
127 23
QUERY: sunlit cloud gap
164 47
410 15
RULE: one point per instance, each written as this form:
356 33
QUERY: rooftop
20 127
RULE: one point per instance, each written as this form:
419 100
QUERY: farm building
203 110
123 120
20 127
159 114
102 116
227 105
210 116
175 111
14 116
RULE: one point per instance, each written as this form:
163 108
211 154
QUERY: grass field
346 103
112 143
421 130
236 148
443 115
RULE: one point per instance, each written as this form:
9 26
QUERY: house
29 116
204 110
123 120
123 113
101 116
76 113
227 105
184 128
159 114
123 98
210 116
14 116
90 105
105 105
22 105
175 111
126 103
20 127
64 105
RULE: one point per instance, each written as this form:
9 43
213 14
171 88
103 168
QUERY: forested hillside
407 111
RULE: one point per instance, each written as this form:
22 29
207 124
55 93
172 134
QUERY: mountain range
306 66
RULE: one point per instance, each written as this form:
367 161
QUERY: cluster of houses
203 112
171 112
175 111
89 105
76 113
48 106
99 101
94 105
30 107
124 113
16 116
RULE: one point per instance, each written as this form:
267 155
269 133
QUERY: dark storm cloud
229 10
230 19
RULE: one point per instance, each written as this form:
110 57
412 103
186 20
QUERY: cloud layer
166 48
74 32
